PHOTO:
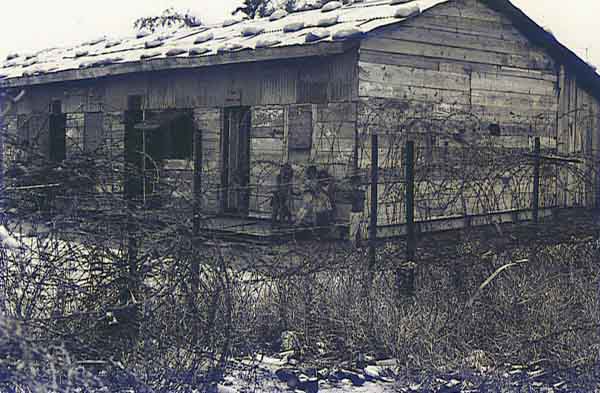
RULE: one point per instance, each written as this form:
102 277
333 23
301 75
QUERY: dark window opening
152 137
133 146
172 137
56 107
58 126
235 155
134 103
22 137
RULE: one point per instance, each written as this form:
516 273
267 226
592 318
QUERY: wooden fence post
535 203
410 201
405 277
374 199
197 191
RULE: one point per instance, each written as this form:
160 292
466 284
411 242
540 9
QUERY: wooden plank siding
466 60
269 88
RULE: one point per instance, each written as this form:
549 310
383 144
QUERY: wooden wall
289 100
463 74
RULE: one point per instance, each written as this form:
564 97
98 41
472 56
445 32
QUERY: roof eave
325 48
562 54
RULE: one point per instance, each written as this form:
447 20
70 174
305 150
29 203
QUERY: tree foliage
254 8
289 5
169 18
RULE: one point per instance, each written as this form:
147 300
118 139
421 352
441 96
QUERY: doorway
235 153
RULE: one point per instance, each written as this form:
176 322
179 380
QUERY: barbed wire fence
180 298
446 169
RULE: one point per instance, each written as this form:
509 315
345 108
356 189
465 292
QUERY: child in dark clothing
282 196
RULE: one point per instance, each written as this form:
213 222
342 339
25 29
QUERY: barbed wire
96 267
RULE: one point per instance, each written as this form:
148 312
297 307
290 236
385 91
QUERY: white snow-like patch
317 35
142 33
407 10
279 14
153 44
267 43
328 21
204 37
250 31
396 2
331 6
7 239
293 27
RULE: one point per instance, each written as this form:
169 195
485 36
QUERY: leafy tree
254 8
169 18
290 5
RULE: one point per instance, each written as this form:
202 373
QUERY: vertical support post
133 143
2 181
405 277
144 170
410 201
355 151
374 198
535 202
3 219
197 190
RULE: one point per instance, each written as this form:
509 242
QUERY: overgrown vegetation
543 310
99 289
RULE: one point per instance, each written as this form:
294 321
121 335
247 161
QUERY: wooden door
235 150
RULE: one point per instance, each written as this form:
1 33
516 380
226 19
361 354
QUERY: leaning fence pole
374 199
535 202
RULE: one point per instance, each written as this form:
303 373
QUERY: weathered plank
300 127
514 84
411 93
484 28
470 9
381 57
522 60
407 76
460 40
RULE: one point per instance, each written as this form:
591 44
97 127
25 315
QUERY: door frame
235 198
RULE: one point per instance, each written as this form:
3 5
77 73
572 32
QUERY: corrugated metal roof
333 22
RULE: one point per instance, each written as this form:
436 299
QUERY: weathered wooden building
233 103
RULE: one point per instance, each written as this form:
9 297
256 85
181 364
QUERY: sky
30 25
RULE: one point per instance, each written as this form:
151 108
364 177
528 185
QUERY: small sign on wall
268 122
233 97
300 127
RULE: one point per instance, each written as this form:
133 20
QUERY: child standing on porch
282 197
358 225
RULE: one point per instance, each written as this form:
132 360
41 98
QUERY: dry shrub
542 309
27 366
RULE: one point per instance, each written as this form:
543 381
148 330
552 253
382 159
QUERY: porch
263 231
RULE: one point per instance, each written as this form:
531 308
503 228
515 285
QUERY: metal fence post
374 198
535 203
